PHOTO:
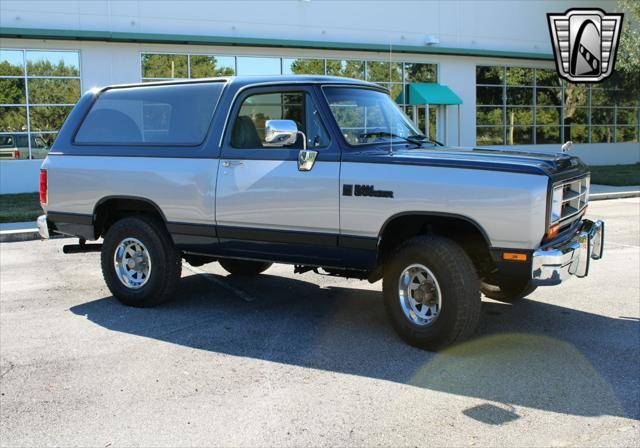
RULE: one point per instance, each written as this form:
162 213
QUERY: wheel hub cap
132 263
419 295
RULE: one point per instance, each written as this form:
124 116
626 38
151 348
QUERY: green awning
421 94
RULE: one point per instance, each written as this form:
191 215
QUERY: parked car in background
323 173
16 146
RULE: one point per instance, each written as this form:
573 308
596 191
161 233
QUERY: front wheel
431 292
139 262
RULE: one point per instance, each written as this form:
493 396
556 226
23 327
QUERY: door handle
230 163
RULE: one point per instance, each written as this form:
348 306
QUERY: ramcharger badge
365 190
584 43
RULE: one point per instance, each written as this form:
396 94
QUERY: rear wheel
246 268
507 290
431 292
140 265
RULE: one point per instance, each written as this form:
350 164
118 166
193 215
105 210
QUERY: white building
495 56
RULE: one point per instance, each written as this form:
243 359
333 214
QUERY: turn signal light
514 256
552 232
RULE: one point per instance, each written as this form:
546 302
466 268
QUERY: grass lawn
617 175
19 207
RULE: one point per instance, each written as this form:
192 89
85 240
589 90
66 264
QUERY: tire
164 269
507 290
459 292
244 268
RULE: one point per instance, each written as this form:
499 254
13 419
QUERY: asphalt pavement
310 360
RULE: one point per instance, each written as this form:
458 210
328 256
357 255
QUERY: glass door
421 115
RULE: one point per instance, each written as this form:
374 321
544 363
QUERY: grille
569 200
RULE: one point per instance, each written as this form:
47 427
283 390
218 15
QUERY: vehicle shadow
529 354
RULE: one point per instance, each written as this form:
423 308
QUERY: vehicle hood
558 165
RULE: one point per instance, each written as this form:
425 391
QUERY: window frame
29 132
589 107
277 152
403 82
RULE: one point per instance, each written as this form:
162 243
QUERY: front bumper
555 263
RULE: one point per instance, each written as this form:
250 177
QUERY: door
265 206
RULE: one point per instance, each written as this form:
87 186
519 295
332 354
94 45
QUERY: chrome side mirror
284 133
280 132
306 159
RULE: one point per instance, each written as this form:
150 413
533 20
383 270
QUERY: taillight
43 186
16 154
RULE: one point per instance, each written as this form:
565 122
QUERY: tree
628 59
307 67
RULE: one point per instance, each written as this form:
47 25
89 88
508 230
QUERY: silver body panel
510 207
272 194
183 188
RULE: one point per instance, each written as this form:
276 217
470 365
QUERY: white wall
19 176
593 153
506 25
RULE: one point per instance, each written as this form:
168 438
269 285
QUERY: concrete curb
614 195
13 236
10 236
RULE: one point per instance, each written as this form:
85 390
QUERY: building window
519 106
38 89
166 66
394 76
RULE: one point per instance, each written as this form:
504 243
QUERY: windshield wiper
424 138
366 135
417 139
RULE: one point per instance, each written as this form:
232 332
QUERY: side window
6 141
151 115
249 125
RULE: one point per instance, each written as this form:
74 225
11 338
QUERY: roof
194 39
306 79
241 81
429 93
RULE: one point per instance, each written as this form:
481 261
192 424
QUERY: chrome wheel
419 294
132 263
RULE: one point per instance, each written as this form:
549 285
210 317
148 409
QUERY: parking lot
308 360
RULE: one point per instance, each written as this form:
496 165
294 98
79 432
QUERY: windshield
369 116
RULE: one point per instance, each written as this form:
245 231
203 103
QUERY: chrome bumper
554 264
43 227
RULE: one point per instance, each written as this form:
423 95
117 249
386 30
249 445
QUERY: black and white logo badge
585 43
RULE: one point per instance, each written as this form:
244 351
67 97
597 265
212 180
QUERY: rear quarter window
172 115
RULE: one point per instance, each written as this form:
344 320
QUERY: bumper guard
556 263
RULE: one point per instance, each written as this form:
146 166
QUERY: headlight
556 204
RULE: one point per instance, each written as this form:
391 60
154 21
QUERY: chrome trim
132 263
582 198
420 295
306 159
281 132
43 227
555 264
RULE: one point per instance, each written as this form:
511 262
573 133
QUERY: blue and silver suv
322 173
